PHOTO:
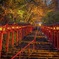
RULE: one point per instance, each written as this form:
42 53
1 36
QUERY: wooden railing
7 30
52 33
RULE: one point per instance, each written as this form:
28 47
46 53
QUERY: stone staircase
43 48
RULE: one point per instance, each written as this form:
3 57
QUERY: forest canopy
26 10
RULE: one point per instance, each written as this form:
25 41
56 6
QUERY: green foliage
51 18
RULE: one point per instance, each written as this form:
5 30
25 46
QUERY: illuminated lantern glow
0 28
57 28
17 27
54 28
13 27
39 24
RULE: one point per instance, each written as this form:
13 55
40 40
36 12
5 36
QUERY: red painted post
26 30
12 38
17 35
23 32
55 39
7 41
1 39
51 37
58 40
47 33
20 34
29 29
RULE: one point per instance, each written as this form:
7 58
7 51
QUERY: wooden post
58 40
17 39
55 39
1 39
20 34
7 41
12 38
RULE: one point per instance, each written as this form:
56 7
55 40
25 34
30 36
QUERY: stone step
43 49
